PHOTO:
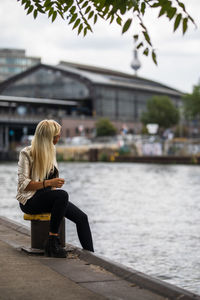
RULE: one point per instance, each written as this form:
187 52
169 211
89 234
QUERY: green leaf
51 11
80 28
155 5
40 9
119 21
95 19
162 12
140 45
35 13
89 27
105 11
126 25
73 9
59 6
100 5
136 8
177 21
76 23
146 52
47 8
142 25
30 9
191 19
108 16
143 7
147 37
112 19
185 25
181 5
54 16
73 18
153 54
122 7
61 14
69 4
84 4
85 31
87 9
48 3
90 15
171 13
28 4
134 3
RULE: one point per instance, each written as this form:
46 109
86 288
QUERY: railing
35 118
28 118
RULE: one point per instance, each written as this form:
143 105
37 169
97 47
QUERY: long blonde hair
43 149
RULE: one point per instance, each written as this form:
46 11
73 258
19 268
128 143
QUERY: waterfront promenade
81 276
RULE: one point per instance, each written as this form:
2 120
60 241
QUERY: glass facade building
14 61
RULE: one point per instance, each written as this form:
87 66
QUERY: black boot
52 247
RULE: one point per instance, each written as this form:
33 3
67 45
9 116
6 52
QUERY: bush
105 128
162 111
103 157
124 150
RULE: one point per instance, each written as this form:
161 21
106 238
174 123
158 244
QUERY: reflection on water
141 215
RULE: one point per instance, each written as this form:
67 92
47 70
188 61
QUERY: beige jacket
25 175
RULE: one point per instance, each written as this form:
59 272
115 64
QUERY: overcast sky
178 55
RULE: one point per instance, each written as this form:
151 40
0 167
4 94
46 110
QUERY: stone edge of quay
140 279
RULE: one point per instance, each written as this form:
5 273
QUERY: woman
39 188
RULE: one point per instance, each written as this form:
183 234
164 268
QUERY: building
89 93
20 115
14 61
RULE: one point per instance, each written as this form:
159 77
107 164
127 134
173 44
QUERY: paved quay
82 275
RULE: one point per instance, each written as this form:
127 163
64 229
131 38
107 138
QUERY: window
2 60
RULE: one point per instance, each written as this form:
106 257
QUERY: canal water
144 216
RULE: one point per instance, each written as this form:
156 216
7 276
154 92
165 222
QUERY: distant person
39 188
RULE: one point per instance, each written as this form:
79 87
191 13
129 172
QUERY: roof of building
113 77
36 100
99 76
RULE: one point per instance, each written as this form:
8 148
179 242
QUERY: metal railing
28 118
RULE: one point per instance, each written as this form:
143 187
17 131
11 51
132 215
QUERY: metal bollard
40 230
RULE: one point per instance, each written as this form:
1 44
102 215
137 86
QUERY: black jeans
56 202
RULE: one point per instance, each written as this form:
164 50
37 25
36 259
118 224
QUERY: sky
178 56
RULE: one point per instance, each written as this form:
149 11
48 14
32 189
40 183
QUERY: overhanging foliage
83 14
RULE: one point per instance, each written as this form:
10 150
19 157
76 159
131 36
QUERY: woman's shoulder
25 156
27 151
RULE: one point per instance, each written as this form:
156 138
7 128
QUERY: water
143 216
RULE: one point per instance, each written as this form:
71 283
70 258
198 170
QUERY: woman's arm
24 166
37 185
25 182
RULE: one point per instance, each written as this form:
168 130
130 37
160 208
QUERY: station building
77 95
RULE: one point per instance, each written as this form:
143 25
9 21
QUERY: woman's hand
55 182
37 185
